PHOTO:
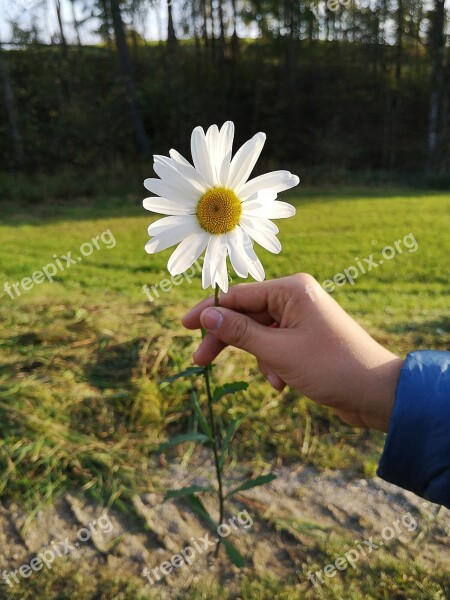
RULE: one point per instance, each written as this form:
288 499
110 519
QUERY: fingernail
211 319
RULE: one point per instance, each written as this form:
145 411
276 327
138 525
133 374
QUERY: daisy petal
160 158
215 258
248 247
166 223
172 176
224 151
238 257
259 200
166 207
249 206
187 197
186 170
168 238
259 223
265 239
212 257
266 206
212 143
244 160
219 273
187 252
280 210
256 270
179 158
277 181
255 267
200 156
265 196
207 264
212 139
222 277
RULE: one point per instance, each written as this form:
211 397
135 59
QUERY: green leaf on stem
186 373
233 553
185 437
204 426
229 388
231 430
187 491
199 509
251 483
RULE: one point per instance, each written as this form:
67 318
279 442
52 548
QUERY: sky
43 12
153 26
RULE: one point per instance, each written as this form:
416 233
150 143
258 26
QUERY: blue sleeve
416 454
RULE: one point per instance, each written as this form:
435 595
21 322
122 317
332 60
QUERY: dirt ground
278 527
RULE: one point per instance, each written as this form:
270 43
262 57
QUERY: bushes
329 107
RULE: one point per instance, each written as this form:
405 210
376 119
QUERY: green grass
381 578
80 357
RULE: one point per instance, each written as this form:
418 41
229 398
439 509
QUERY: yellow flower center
219 210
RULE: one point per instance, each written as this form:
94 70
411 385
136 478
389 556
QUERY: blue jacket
416 455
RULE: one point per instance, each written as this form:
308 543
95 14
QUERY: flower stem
217 450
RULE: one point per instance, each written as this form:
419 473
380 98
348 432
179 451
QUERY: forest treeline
340 87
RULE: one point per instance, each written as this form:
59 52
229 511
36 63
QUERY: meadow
81 358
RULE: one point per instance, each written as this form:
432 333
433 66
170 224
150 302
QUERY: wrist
380 397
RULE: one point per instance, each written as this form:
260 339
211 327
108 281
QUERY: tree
234 36
62 35
171 37
205 22
439 85
76 24
11 111
396 95
222 28
127 75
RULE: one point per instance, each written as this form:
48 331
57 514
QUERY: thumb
236 329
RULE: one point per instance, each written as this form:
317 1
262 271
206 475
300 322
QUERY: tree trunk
213 28
290 18
437 108
396 94
106 24
62 36
194 13
205 23
130 87
76 25
11 110
171 37
234 37
63 68
222 29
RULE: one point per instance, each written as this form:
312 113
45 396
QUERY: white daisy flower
213 206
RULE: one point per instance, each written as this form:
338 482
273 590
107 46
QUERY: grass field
80 357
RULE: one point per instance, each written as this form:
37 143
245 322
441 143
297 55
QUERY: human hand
301 337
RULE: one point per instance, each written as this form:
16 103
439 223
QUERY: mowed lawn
81 357
331 232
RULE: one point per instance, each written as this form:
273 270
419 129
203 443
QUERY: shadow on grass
433 326
433 334
115 365
123 204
